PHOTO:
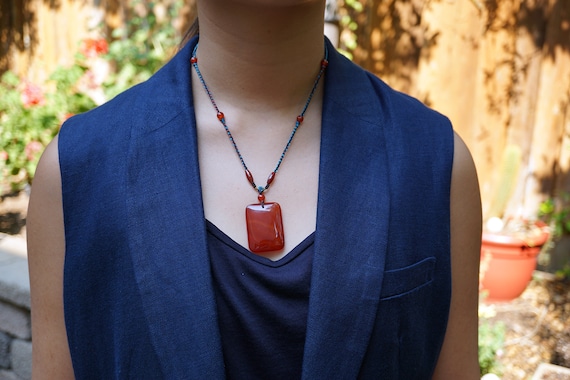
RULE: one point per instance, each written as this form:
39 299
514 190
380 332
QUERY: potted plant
510 244
556 213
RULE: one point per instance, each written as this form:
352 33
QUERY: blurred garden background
499 69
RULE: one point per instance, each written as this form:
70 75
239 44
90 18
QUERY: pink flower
92 47
4 156
93 78
32 95
90 80
32 149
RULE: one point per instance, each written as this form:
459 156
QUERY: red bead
193 60
300 118
324 63
220 116
270 178
249 177
261 198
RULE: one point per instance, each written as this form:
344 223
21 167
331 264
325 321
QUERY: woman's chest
226 191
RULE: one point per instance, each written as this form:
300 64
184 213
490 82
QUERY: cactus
508 176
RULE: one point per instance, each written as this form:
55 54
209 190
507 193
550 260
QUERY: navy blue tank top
262 307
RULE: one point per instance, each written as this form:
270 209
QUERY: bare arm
458 358
46 251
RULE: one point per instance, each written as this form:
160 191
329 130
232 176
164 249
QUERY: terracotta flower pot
507 263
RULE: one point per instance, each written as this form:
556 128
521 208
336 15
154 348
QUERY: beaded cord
222 119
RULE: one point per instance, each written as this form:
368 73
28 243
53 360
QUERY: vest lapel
167 234
352 217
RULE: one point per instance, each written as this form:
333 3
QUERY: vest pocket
399 282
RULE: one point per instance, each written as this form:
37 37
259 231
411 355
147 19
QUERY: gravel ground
537 328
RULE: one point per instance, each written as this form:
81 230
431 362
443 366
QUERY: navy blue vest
138 295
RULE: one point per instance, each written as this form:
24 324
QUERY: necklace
263 219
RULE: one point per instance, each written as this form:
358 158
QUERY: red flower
92 47
32 149
32 95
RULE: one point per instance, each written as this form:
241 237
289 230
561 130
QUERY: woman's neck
263 54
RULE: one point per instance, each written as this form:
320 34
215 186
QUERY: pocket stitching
423 268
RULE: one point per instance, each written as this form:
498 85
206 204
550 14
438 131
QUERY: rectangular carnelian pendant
264 227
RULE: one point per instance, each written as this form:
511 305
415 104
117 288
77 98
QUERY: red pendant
264 227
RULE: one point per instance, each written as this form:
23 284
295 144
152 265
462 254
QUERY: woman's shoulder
368 95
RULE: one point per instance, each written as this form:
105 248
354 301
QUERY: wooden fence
500 69
38 35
